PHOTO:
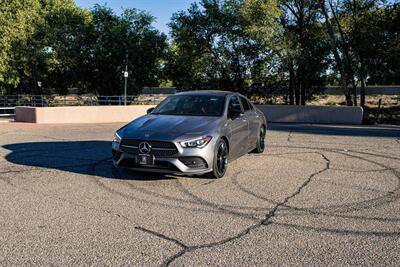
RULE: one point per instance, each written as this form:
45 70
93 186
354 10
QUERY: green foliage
216 44
17 20
64 46
118 36
377 39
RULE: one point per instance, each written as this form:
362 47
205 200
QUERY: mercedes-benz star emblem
144 148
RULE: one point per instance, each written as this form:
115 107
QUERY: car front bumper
185 161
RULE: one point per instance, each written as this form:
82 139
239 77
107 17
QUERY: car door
253 121
239 128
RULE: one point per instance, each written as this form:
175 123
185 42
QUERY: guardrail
6 111
68 100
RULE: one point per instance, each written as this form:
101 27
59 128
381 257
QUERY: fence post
378 111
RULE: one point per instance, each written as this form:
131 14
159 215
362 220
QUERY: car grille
158 148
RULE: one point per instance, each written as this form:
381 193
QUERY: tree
17 20
362 31
63 46
335 50
120 40
216 46
302 48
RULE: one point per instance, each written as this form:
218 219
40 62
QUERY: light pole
126 74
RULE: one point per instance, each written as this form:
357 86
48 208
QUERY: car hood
169 127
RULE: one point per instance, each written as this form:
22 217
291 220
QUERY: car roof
206 92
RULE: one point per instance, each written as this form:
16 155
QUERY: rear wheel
220 163
260 141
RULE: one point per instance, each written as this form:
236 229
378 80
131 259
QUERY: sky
161 9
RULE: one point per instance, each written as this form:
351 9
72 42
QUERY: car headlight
197 142
117 138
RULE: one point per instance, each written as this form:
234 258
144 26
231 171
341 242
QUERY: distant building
159 90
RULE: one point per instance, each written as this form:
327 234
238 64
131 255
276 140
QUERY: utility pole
126 78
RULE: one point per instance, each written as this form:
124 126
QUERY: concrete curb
110 114
313 114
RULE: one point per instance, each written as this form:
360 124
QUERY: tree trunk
291 85
362 78
297 87
302 85
346 58
334 47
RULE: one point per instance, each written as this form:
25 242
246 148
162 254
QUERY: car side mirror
150 110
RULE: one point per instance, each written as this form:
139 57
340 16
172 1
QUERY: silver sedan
191 133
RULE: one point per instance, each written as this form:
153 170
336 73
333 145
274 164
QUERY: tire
260 141
220 162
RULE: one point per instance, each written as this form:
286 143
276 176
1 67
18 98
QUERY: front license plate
145 160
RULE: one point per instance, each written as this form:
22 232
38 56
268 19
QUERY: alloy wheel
222 158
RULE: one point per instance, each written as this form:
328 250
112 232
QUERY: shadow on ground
338 130
82 157
94 157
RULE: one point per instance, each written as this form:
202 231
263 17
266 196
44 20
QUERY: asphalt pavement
320 195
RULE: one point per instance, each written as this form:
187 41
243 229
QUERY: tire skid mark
339 231
390 196
336 150
355 187
245 231
194 201
210 208
100 184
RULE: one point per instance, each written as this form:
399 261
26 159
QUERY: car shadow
82 157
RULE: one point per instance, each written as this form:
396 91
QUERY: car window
250 105
245 104
234 105
191 105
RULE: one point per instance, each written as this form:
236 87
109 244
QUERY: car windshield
191 105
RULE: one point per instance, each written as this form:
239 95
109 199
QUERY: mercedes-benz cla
191 133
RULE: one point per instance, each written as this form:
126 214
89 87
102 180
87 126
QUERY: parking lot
319 195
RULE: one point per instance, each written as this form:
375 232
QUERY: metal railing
68 100
7 112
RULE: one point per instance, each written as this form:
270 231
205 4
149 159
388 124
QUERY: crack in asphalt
162 236
264 222
185 249
391 196
267 218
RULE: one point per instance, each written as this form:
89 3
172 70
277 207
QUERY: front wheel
220 163
260 141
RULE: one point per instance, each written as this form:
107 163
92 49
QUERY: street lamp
126 74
